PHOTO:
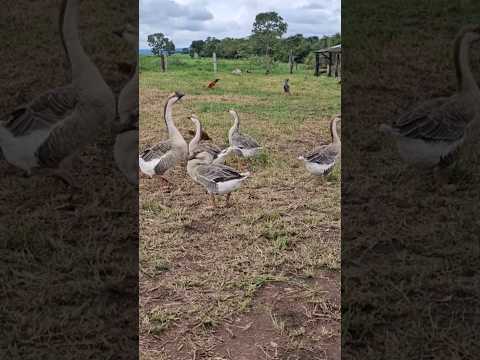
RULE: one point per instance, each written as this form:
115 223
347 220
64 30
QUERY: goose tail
245 174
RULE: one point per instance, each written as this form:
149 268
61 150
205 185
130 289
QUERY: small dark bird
286 87
213 83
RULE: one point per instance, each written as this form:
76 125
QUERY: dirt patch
284 323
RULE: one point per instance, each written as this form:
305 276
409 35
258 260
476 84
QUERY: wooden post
290 62
166 62
336 66
214 63
317 64
340 65
329 66
162 62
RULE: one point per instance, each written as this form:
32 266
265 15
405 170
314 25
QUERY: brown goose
429 135
160 158
321 160
243 144
216 155
46 133
215 178
125 150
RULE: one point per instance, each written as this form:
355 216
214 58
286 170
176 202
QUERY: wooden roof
332 49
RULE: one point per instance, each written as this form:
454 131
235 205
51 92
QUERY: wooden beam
317 64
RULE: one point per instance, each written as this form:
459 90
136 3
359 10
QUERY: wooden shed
332 57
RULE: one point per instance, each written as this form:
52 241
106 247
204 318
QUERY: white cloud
186 20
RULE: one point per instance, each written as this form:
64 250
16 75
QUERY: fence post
317 64
214 62
162 62
290 61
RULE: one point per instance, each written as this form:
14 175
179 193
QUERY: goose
429 136
216 155
243 144
125 150
45 135
165 155
217 179
321 160
286 87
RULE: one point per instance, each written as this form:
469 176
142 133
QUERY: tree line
266 41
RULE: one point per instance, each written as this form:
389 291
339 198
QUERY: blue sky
186 20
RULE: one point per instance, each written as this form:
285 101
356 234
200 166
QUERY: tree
268 28
160 44
170 47
197 47
211 45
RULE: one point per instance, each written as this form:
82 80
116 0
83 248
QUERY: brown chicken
212 84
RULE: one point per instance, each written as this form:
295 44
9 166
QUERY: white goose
243 144
429 135
165 155
215 178
125 150
44 135
216 155
321 160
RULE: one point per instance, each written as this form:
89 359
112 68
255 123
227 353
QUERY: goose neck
196 139
333 132
70 36
465 78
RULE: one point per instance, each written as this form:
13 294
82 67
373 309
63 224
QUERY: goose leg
166 181
213 204
227 201
66 177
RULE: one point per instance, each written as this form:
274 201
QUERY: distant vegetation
266 43
266 40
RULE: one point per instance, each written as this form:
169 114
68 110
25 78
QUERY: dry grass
409 248
69 270
202 269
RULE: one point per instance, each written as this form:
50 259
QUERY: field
409 246
261 279
69 270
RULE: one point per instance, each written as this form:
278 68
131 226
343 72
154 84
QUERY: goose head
175 96
471 33
233 113
129 33
194 119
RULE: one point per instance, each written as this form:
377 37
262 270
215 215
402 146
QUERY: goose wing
41 113
324 155
442 119
210 148
244 141
156 151
217 173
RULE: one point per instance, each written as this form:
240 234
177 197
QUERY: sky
183 21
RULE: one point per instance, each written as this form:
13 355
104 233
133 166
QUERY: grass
283 228
69 275
408 249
